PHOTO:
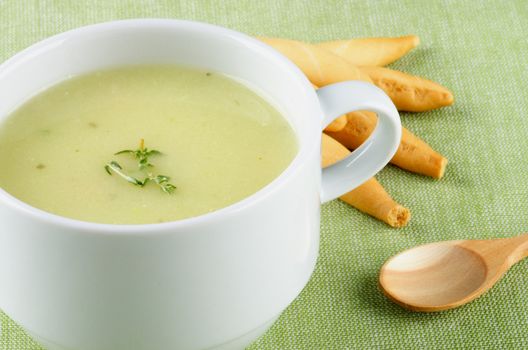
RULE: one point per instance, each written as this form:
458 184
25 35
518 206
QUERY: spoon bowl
444 275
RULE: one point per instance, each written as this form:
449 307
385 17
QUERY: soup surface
219 141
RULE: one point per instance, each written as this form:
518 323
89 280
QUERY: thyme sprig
142 155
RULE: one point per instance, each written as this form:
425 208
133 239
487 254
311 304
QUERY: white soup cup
213 281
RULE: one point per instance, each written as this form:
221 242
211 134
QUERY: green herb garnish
142 155
163 183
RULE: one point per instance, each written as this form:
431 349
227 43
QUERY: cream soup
219 141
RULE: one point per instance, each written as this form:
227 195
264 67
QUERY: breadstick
413 154
321 66
337 125
370 197
372 51
409 93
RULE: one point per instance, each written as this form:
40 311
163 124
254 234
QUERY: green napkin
479 50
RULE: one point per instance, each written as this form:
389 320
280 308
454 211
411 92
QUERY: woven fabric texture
476 48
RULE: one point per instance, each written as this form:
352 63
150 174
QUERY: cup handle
364 162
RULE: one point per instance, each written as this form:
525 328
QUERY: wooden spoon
445 275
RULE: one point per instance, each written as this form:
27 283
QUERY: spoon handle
521 251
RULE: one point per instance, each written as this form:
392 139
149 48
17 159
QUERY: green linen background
479 50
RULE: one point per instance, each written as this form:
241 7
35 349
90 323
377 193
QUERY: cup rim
171 226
